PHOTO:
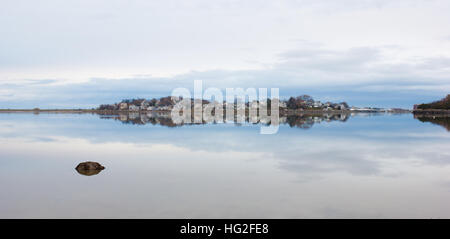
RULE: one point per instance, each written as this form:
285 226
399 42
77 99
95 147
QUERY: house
133 108
123 106
144 105
176 99
240 106
339 107
317 104
342 106
253 105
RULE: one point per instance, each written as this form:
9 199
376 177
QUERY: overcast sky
78 53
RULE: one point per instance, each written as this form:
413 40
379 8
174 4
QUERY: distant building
133 108
317 104
144 105
341 106
123 106
176 99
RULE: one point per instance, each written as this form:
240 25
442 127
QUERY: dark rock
89 168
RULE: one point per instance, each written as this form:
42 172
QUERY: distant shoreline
96 111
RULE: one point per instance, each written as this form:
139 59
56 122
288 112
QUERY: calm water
379 166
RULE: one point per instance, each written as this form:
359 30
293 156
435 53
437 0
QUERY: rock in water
89 168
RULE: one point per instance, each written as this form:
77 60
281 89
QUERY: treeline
139 103
167 103
443 104
307 102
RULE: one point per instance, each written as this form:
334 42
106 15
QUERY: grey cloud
352 61
39 82
437 63
349 75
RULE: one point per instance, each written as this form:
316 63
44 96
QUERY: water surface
361 166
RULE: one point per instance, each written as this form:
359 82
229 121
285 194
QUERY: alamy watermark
210 106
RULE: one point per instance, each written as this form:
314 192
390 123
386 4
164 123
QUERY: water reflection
303 121
369 166
442 120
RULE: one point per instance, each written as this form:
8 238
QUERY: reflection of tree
443 121
164 119
299 121
137 119
307 121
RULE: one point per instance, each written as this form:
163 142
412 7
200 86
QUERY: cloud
346 75
175 36
372 52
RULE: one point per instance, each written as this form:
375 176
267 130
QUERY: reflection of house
123 117
144 119
164 118
165 108
133 116
264 119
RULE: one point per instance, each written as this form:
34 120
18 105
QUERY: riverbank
114 112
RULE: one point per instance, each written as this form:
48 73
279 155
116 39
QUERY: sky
82 53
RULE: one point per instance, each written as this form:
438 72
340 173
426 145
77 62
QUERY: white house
133 108
144 105
123 106
317 104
